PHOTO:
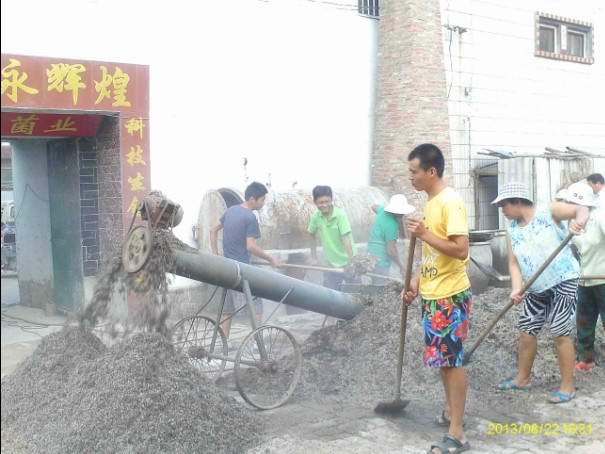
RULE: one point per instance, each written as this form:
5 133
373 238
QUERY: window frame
556 40
369 8
584 35
563 27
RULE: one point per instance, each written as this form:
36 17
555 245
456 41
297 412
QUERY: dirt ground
503 422
343 419
331 428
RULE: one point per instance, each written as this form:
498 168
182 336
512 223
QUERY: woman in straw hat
533 233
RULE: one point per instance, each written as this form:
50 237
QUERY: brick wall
110 188
411 104
89 204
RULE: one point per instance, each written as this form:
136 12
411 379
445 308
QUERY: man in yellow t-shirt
444 287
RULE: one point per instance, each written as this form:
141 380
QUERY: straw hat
513 190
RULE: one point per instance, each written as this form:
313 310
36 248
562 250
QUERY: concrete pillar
32 223
109 217
411 98
65 225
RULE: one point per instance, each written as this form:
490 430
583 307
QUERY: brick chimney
411 97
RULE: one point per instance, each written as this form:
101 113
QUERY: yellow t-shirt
442 276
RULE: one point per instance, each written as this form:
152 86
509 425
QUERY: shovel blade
391 407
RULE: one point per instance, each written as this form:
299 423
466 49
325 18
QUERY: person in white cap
597 183
534 232
561 196
591 293
382 243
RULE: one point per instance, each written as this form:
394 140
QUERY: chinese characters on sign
63 125
135 125
61 83
23 125
83 91
119 83
136 163
135 156
49 125
62 76
13 80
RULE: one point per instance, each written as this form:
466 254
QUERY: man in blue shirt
240 232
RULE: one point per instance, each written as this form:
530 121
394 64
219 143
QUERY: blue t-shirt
534 242
239 224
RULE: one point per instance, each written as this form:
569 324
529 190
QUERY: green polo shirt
385 229
331 230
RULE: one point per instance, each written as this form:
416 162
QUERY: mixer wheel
137 248
268 382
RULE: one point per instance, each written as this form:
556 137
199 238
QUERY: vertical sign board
32 85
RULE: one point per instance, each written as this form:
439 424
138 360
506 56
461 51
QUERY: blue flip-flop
510 385
559 397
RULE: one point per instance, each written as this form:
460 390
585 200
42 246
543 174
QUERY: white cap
399 205
581 194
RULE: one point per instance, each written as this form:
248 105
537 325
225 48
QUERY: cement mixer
268 362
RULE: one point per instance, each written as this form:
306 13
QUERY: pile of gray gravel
355 361
75 395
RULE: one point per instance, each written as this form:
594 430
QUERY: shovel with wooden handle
528 284
397 405
326 269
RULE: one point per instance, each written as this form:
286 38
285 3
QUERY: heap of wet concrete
75 395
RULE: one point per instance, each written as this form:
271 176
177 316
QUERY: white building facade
522 75
282 91
285 86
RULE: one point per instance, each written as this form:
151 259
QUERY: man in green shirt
382 243
334 229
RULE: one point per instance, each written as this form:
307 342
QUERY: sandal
584 366
443 421
450 445
510 385
559 397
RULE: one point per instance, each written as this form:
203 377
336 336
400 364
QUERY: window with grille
7 178
368 8
563 38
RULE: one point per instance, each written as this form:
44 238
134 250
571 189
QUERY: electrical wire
507 6
519 118
323 3
27 326
451 61
495 19
42 325
27 189
524 132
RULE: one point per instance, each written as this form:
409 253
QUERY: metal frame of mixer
258 351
